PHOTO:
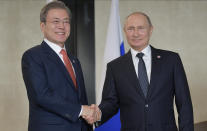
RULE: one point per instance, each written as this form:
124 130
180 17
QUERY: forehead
137 20
57 13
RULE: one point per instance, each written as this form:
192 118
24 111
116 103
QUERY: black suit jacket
155 112
54 103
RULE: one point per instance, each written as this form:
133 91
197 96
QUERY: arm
110 102
41 94
183 98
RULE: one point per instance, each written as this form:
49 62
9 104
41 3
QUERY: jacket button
146 105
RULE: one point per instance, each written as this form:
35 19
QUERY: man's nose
61 24
136 32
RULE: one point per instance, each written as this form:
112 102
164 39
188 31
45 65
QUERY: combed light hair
141 13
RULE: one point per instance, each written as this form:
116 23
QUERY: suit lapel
131 73
75 66
51 55
155 70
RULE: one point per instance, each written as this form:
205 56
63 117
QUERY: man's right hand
91 113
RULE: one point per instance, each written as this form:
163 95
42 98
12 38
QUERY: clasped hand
91 113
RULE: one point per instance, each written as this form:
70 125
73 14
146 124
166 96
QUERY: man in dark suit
144 82
53 78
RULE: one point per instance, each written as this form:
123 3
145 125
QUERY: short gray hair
141 13
54 5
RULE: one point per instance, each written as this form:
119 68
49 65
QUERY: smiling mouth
60 33
137 39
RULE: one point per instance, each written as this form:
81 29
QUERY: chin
137 45
61 41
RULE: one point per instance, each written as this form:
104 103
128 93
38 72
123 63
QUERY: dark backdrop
82 40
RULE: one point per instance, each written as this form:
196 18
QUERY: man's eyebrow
63 18
131 26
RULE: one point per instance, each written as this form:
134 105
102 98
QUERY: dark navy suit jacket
156 111
54 103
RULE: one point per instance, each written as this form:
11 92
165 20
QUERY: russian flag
114 48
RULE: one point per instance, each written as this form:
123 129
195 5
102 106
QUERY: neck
139 49
61 45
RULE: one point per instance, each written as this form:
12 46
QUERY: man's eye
66 22
141 27
55 22
130 29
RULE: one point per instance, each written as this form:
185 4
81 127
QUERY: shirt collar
146 51
54 46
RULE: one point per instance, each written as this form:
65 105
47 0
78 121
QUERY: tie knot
63 52
140 55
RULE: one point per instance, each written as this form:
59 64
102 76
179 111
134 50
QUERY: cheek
68 29
49 30
145 35
129 35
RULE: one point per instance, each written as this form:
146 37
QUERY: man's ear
151 29
42 26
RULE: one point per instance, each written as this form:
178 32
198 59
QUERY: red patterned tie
68 66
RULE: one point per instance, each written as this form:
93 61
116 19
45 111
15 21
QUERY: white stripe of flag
113 49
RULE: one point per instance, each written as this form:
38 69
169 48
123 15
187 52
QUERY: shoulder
39 49
120 61
166 56
164 53
35 49
34 52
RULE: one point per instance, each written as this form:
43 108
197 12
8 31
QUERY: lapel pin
158 57
73 61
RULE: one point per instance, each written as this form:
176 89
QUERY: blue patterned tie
142 74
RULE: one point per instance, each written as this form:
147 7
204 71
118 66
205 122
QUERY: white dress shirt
147 60
56 48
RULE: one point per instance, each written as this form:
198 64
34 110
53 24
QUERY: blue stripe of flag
122 52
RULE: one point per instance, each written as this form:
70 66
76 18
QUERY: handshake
91 113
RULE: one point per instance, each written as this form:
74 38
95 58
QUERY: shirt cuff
80 112
100 115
